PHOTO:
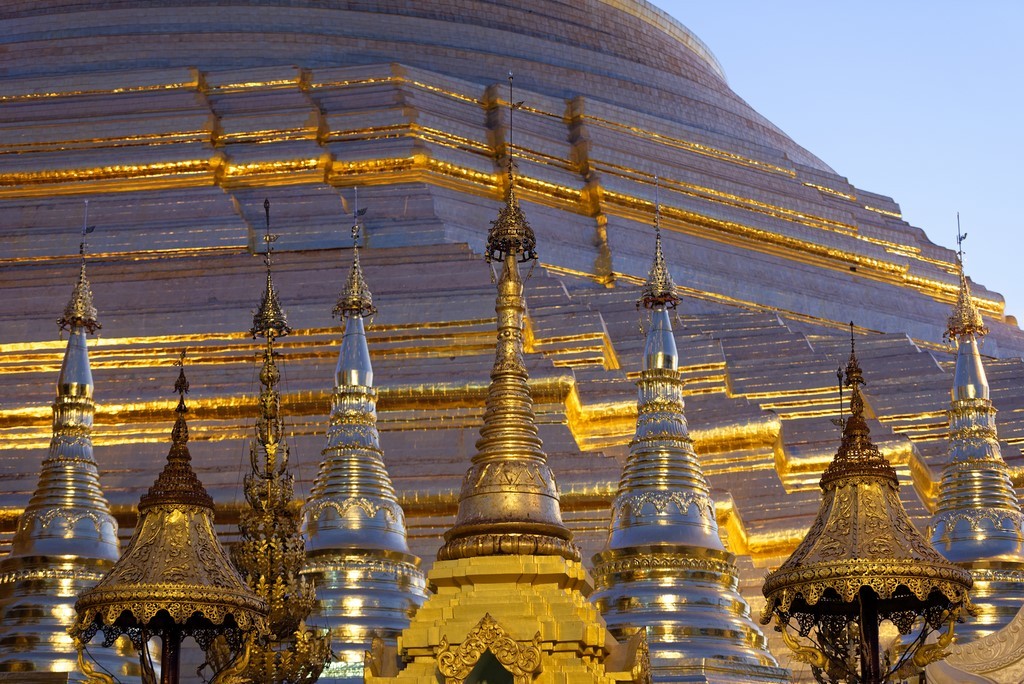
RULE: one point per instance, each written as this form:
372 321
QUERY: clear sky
920 101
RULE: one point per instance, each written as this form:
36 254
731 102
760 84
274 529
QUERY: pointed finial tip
80 311
181 384
510 234
659 289
355 299
179 434
269 320
965 320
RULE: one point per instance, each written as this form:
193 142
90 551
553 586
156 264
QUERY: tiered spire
66 538
664 566
368 584
978 522
509 598
271 552
509 499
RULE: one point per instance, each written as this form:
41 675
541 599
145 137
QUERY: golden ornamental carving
85 666
965 320
355 298
651 560
510 234
270 553
641 671
520 658
805 654
659 289
80 310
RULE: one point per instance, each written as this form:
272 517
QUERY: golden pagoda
664 569
66 539
271 552
174 580
368 584
978 522
510 594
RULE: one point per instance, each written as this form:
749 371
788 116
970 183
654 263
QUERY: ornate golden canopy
174 579
862 555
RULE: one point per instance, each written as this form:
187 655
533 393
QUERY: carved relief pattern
370 508
999 519
633 503
657 562
70 517
991 652
172 564
521 659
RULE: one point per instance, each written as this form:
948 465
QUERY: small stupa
66 538
510 601
664 569
367 582
978 522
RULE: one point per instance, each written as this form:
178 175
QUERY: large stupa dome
176 118
627 53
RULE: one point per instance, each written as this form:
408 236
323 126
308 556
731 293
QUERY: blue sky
920 101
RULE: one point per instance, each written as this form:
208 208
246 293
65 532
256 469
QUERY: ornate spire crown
177 482
510 233
356 298
659 289
80 311
857 454
269 321
966 320
270 553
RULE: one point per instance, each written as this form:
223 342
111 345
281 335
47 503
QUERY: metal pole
870 667
170 657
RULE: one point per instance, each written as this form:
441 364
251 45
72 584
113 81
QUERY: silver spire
664 566
66 538
367 582
978 522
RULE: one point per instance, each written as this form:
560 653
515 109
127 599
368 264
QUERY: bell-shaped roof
174 573
862 535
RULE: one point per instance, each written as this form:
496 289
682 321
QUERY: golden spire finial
659 289
80 311
269 320
509 500
857 454
510 233
966 320
356 298
270 554
177 482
